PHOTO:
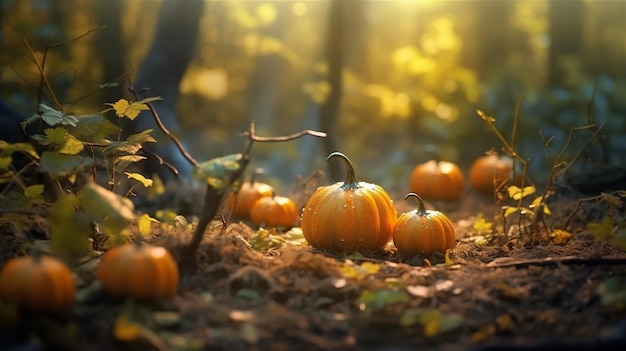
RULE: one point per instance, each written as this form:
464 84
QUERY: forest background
414 73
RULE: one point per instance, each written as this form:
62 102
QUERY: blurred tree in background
412 72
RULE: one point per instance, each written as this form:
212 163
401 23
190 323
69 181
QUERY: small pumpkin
348 216
139 272
489 171
423 231
38 283
240 203
274 211
437 180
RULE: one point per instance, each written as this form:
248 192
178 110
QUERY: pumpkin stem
421 209
350 182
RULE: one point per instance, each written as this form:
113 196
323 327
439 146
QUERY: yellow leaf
485 117
560 236
510 210
130 110
126 330
517 194
157 187
64 142
144 224
140 178
481 225
447 260
538 201
360 271
431 320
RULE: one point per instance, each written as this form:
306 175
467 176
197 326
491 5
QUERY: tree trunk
489 49
111 50
334 59
161 72
566 22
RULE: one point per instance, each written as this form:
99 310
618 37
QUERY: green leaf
69 229
5 162
122 162
51 116
62 165
142 137
8 149
113 211
33 191
612 293
93 128
249 294
218 172
149 100
602 230
620 239
375 300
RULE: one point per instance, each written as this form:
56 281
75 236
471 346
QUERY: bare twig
42 76
164 129
590 261
214 196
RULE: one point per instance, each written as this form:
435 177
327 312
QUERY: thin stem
350 182
421 209
42 75
579 204
166 131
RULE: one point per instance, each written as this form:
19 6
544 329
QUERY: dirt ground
512 293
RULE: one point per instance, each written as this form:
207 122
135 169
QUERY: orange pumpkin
437 180
38 283
423 231
274 211
139 272
348 216
241 204
489 172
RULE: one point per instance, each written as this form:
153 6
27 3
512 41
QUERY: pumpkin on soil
139 272
423 231
274 211
241 203
38 283
437 180
348 216
488 172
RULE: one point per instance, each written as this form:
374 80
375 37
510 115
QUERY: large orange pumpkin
274 211
489 172
423 231
241 203
37 283
139 272
437 180
348 216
